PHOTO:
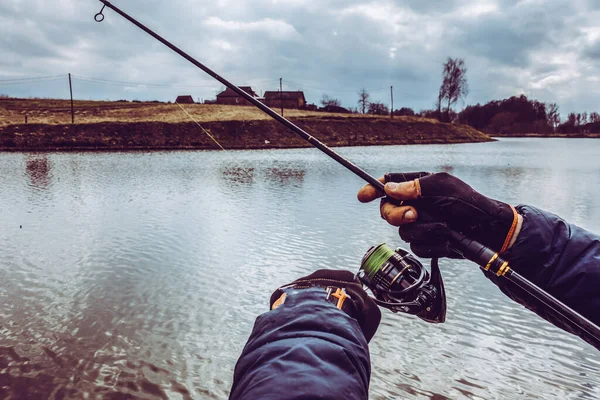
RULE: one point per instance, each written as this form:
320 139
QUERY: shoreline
547 135
233 135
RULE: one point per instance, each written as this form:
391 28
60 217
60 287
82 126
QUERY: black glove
345 291
443 201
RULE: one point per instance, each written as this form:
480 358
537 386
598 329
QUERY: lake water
142 273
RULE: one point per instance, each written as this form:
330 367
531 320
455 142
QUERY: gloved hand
345 291
432 203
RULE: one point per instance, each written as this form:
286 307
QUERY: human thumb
402 190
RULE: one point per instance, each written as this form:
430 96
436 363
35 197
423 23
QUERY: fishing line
380 255
201 127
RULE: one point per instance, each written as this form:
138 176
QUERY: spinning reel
401 283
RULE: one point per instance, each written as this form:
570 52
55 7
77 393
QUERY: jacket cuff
530 254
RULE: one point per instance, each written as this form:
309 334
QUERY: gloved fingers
424 232
427 239
431 249
410 190
397 215
444 184
368 192
404 186
434 250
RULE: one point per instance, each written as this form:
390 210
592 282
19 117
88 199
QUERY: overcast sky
546 49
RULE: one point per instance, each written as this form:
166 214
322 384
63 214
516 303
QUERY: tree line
515 115
519 114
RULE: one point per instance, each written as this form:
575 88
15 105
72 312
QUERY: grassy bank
125 125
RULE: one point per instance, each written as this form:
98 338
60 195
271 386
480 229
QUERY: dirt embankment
254 134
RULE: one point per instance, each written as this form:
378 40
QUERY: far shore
549 135
105 126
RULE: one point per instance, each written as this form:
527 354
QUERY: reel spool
401 283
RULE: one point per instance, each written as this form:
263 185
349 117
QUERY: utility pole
72 109
281 94
392 96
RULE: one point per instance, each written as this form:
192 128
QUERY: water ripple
139 275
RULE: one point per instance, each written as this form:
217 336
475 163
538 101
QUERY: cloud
546 49
275 29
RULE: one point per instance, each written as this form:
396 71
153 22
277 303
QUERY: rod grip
474 251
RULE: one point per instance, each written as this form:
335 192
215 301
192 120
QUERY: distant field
58 112
104 126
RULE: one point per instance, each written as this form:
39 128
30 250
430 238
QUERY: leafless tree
454 83
594 117
584 118
363 99
553 115
330 101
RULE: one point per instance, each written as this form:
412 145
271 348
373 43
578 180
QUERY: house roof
276 95
185 97
230 93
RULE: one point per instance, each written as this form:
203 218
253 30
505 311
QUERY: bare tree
438 104
584 118
578 119
594 117
553 115
330 101
363 99
454 83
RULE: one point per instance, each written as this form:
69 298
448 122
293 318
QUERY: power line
124 83
23 82
31 78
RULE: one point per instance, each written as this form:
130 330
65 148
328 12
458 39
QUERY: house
289 99
187 99
230 97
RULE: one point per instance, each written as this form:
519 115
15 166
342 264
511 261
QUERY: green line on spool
377 259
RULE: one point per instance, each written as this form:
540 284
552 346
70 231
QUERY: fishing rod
397 279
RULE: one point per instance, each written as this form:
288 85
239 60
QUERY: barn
230 97
289 99
187 99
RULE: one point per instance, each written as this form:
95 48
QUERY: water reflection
285 176
241 175
39 171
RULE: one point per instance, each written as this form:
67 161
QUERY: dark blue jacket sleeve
561 258
304 349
